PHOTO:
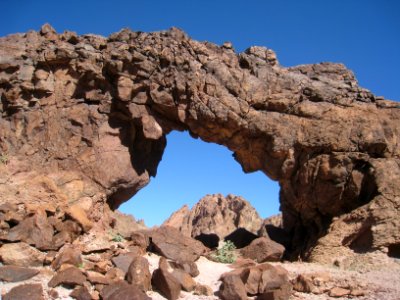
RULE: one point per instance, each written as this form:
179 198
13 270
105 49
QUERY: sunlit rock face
84 120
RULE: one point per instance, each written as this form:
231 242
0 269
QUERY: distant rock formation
215 218
84 122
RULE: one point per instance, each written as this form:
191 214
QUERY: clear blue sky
362 34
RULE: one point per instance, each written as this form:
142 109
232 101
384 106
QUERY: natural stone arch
86 118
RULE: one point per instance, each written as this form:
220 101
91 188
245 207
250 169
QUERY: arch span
88 116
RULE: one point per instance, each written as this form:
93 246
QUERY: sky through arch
189 170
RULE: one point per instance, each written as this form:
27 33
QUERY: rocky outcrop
84 121
215 218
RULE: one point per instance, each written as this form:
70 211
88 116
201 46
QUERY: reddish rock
97 278
140 239
21 254
125 225
262 250
70 276
81 293
69 255
304 284
77 213
100 130
139 273
232 287
14 273
24 292
203 290
164 282
338 292
170 243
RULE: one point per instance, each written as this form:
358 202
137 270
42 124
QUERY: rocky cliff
84 121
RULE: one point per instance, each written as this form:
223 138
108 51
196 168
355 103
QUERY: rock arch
84 120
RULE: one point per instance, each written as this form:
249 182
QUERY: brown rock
215 218
115 274
69 255
123 261
338 292
121 290
170 243
189 267
25 291
77 213
262 250
203 290
125 225
164 282
97 278
232 287
21 254
140 239
139 273
185 280
14 273
71 276
81 293
303 284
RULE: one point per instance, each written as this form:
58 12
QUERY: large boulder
262 250
215 218
21 254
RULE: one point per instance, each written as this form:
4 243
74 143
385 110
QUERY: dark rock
24 292
139 273
14 273
121 290
164 282
123 261
71 276
262 250
170 243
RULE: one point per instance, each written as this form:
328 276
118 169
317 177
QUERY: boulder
69 277
262 250
189 267
81 293
139 273
24 292
232 287
21 254
124 260
125 225
69 255
185 280
170 243
163 281
14 273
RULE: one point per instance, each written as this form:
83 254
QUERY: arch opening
190 169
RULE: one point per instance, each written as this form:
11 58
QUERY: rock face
84 121
215 218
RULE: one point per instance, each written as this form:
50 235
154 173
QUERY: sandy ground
377 274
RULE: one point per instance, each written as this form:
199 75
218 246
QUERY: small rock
81 293
139 273
68 255
25 292
232 287
357 292
121 290
14 273
189 267
77 213
69 277
185 280
115 274
338 292
303 284
21 254
97 278
140 239
203 290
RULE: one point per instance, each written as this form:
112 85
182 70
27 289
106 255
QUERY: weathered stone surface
121 290
139 273
81 293
185 280
125 225
70 276
215 218
172 244
232 287
21 254
68 255
14 273
203 290
262 250
163 281
25 291
86 118
123 261
189 267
